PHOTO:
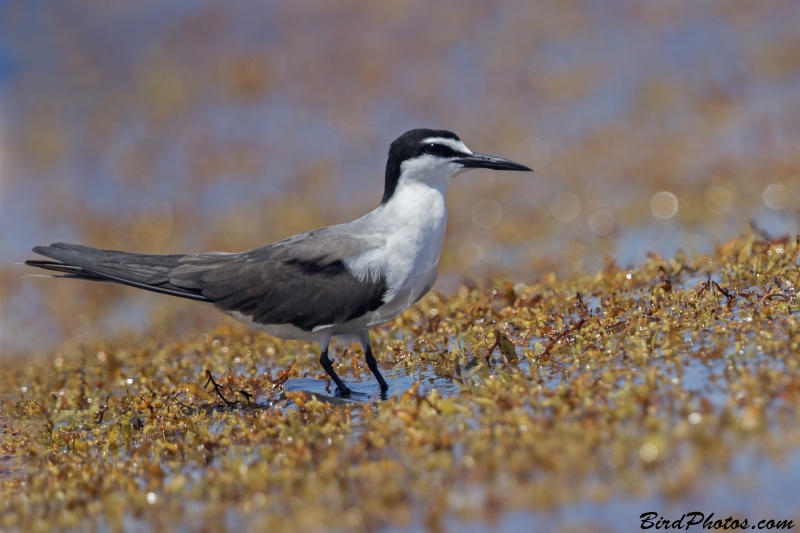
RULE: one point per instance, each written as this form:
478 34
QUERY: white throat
427 170
413 222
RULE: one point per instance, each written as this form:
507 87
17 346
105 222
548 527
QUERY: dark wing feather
301 281
149 272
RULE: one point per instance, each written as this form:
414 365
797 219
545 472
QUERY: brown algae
624 384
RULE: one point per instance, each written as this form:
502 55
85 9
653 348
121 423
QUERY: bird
336 281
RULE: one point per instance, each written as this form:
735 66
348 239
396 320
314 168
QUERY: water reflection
664 205
486 213
566 207
776 196
719 200
601 222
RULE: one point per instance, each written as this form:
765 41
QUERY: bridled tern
336 281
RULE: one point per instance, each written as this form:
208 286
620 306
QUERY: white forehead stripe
458 146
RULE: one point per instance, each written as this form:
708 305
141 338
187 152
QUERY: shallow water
635 397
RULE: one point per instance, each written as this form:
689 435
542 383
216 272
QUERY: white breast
414 224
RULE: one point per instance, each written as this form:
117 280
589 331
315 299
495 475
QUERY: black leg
326 364
371 362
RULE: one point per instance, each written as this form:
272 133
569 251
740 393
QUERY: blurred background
187 126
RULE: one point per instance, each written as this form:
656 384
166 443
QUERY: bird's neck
417 206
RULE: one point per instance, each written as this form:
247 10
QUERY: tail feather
149 272
67 271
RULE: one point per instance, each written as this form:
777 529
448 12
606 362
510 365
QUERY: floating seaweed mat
667 382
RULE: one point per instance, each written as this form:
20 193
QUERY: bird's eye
436 150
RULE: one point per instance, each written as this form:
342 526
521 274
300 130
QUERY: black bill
477 160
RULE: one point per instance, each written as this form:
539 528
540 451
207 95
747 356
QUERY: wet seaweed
636 381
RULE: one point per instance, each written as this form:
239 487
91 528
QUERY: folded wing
303 280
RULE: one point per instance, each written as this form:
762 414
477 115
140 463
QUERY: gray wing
148 272
303 280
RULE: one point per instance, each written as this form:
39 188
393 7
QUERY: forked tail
148 272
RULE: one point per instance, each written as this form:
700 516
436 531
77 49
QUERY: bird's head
434 157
